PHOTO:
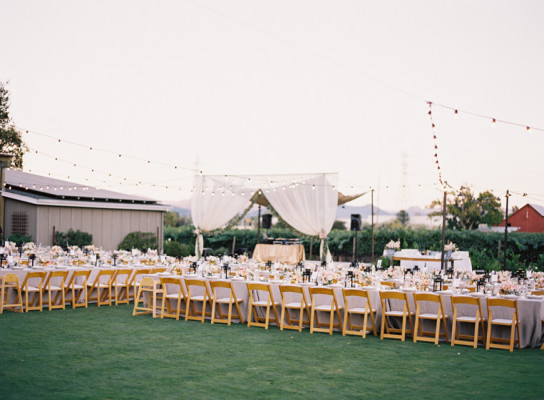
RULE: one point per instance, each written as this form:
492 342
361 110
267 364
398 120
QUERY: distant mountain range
343 212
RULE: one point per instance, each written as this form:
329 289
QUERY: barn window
19 223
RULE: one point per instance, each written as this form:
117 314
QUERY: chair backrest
138 273
11 278
157 270
110 273
57 274
394 295
431 297
198 283
507 303
291 289
346 292
147 282
327 291
220 284
390 284
178 282
85 274
474 301
123 275
34 275
260 287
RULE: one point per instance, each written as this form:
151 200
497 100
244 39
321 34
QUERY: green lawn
107 353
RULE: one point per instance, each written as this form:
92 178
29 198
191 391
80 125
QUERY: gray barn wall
108 226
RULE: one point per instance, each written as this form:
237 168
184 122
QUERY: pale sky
267 87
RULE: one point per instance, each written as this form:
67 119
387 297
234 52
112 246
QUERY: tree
172 218
339 225
11 141
403 217
466 211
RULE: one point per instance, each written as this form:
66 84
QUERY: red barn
529 218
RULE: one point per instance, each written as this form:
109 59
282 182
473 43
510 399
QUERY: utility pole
506 231
372 223
442 265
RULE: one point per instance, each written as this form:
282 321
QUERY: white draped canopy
307 202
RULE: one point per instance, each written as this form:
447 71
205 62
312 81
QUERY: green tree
403 217
339 225
172 218
466 211
11 141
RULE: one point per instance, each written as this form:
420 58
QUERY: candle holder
20 248
269 265
97 258
416 268
193 267
354 264
32 257
3 257
438 283
349 276
114 259
300 266
85 251
480 284
306 275
487 277
324 264
450 272
225 269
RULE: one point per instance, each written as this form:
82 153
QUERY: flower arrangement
393 245
509 287
451 247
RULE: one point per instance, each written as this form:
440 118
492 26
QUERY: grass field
106 353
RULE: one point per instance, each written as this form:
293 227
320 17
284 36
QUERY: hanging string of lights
116 154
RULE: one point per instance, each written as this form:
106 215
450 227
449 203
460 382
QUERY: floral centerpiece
509 287
450 248
391 247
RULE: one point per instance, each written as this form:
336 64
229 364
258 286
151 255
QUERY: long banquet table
531 310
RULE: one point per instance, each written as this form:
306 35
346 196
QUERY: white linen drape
310 206
216 200
307 202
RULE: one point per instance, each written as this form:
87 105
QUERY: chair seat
197 298
359 310
467 319
173 296
430 316
502 321
52 287
30 289
264 303
395 313
326 307
227 300
293 305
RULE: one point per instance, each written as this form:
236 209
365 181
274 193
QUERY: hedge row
486 249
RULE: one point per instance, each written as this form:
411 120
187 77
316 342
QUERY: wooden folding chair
121 285
287 304
193 287
390 310
11 284
364 310
152 288
513 323
34 287
178 296
219 287
476 318
256 291
77 284
54 283
438 315
135 281
102 286
332 308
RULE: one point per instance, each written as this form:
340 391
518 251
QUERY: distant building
40 206
529 218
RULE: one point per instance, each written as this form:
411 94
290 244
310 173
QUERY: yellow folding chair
287 305
438 315
332 308
231 300
365 310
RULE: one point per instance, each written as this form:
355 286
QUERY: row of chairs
262 310
107 284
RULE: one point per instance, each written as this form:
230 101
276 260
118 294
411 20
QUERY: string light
443 183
